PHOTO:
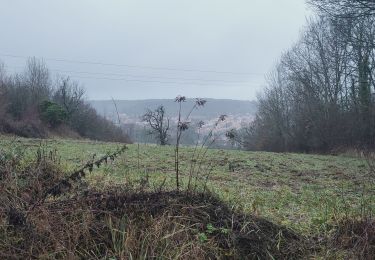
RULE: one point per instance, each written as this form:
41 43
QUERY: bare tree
3 99
117 113
26 91
37 79
69 95
159 124
320 96
345 8
2 73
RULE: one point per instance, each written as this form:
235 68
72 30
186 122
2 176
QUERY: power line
131 66
149 77
141 76
140 80
150 81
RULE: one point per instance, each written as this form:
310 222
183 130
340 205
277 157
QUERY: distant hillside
213 108
239 113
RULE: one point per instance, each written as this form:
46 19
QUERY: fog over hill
132 110
239 114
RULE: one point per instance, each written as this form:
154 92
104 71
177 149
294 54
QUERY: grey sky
245 37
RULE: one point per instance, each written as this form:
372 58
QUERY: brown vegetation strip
161 224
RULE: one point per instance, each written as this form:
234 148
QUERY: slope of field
307 193
293 189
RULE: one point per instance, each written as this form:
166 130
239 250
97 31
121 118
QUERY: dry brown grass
356 235
129 225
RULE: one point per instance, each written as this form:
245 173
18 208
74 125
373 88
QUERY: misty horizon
143 50
188 98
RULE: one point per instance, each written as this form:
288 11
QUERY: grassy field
305 192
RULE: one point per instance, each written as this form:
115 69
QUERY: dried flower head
231 134
200 124
183 126
180 99
200 102
222 117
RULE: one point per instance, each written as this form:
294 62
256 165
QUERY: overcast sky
153 49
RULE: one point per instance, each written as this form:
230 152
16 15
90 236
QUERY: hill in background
132 110
239 113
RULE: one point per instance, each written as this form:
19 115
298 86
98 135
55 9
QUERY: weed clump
357 236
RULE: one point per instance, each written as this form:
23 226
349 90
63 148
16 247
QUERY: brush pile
126 225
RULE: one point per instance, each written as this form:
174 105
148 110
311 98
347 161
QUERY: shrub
32 128
52 113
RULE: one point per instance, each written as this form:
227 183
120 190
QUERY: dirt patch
340 175
262 167
267 183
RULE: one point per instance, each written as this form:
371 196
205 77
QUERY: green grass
305 192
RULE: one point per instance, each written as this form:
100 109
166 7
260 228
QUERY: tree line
36 104
320 96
